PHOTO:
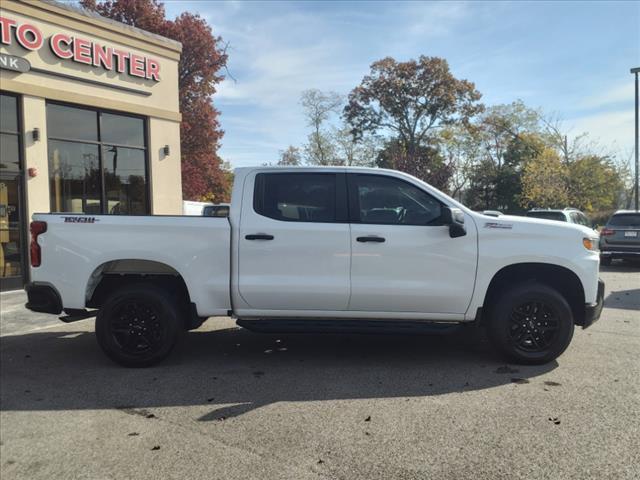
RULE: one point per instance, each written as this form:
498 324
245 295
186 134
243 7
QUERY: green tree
507 135
543 181
594 184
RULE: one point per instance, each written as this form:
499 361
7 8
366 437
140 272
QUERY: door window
390 201
296 197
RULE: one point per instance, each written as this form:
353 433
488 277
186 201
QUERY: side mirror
454 217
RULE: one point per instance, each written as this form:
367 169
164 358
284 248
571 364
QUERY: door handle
259 236
371 239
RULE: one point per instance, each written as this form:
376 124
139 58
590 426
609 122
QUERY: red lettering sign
80 50
5 33
29 36
56 42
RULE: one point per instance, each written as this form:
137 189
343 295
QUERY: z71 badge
80 219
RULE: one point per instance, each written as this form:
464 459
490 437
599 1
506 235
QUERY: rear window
559 216
625 220
296 197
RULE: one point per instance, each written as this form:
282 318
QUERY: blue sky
571 59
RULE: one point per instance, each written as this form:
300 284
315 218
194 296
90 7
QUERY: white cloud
613 130
618 94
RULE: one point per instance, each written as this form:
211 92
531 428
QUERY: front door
403 259
294 242
12 229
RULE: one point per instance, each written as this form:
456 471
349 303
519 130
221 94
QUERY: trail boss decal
503 226
80 219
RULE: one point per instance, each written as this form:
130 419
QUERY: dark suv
620 237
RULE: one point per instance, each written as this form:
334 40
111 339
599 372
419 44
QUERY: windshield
625 220
559 216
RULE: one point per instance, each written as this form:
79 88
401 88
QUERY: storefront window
97 161
11 227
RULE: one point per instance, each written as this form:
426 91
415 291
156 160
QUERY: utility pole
635 71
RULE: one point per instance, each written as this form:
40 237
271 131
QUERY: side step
296 325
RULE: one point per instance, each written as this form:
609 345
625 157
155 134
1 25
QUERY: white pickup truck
319 249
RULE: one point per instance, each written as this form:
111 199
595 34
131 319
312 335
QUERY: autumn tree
199 72
425 163
543 181
409 101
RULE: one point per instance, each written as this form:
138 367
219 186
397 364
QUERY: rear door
294 242
403 259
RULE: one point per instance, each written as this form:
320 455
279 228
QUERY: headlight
590 244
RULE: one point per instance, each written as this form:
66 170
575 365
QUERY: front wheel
138 325
531 324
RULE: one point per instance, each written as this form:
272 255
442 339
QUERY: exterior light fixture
35 134
166 150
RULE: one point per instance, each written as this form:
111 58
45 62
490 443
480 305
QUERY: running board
295 325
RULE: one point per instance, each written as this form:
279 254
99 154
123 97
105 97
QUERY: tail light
607 232
36 229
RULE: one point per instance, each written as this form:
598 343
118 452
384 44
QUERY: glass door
12 229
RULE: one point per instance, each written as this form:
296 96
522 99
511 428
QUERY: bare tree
318 108
290 157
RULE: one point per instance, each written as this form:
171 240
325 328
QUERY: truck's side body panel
198 248
548 242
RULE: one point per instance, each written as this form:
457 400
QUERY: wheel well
560 278
116 274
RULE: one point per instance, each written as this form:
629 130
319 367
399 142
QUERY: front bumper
593 311
43 298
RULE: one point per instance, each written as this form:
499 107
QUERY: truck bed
78 249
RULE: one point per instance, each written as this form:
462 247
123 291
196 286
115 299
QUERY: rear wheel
531 324
138 325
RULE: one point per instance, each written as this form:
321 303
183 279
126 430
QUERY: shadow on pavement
624 299
234 371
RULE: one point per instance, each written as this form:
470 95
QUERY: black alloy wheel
530 323
139 325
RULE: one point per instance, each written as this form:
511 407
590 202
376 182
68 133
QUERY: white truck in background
191 208
317 249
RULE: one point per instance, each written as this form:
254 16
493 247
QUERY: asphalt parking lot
231 404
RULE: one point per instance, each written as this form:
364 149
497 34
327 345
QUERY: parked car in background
194 208
620 237
219 210
569 215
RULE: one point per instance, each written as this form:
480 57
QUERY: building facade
90 121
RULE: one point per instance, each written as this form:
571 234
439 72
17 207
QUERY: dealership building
90 121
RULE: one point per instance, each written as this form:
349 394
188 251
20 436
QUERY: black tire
531 324
606 261
138 325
